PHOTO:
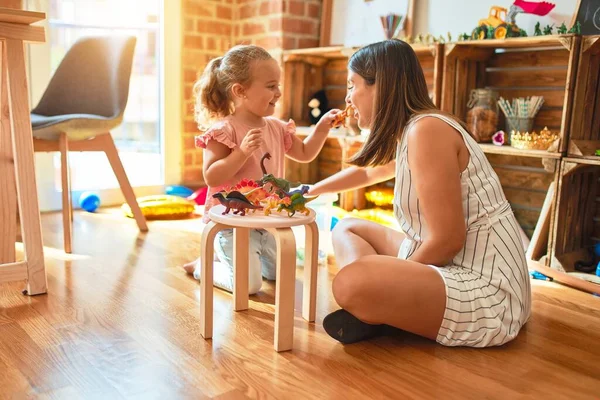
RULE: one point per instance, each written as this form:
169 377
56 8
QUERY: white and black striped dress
488 293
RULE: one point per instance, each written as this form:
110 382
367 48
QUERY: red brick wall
210 27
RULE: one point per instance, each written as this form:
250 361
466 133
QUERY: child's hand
327 119
251 142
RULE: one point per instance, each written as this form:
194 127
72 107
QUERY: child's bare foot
191 266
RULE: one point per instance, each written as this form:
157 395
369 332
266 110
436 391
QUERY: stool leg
206 280
285 288
241 266
22 137
311 264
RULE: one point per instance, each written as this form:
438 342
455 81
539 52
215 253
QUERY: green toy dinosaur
298 204
281 184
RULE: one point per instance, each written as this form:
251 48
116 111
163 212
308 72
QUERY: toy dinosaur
281 184
235 201
303 190
297 204
273 202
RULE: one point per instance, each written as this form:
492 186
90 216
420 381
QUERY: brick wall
210 27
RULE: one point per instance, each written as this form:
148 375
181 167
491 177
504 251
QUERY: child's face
362 97
263 92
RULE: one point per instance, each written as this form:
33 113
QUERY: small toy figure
548 29
576 29
273 202
562 29
297 204
523 33
465 36
235 201
279 183
537 31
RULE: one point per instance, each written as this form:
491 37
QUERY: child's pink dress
277 140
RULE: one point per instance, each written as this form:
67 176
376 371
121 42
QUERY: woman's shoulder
426 129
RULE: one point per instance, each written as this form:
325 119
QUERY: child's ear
238 91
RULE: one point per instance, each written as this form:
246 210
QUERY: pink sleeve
220 134
288 135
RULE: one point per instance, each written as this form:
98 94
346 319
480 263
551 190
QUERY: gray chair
84 100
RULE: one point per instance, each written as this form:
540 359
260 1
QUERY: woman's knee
350 284
343 228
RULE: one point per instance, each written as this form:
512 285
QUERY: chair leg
285 288
311 261
67 209
112 154
8 193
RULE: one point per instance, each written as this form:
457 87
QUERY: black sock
346 328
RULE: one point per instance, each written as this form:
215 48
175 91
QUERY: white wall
439 17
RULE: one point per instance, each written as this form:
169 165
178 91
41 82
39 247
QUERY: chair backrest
93 78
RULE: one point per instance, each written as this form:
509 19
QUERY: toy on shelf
562 29
162 206
495 26
548 29
235 201
537 31
318 105
533 141
499 138
576 29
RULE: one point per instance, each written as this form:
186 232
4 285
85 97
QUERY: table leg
285 288
241 237
24 165
8 194
206 280
311 264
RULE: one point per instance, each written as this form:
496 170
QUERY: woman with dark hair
457 274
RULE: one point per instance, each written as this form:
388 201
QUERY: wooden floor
121 320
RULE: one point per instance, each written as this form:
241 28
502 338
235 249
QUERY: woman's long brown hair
401 93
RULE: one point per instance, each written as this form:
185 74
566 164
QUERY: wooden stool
16 154
280 227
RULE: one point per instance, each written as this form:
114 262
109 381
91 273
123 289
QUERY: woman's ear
238 91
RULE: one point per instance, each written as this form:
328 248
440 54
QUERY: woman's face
362 97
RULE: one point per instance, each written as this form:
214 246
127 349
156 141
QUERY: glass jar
482 116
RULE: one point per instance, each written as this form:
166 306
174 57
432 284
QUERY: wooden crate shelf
584 137
307 71
516 67
575 227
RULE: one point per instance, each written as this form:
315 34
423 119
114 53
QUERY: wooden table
17 172
280 227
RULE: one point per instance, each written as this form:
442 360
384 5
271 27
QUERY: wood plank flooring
121 320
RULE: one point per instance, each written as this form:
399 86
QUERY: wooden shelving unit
584 137
516 67
575 227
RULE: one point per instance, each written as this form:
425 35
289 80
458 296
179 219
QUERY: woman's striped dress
488 293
